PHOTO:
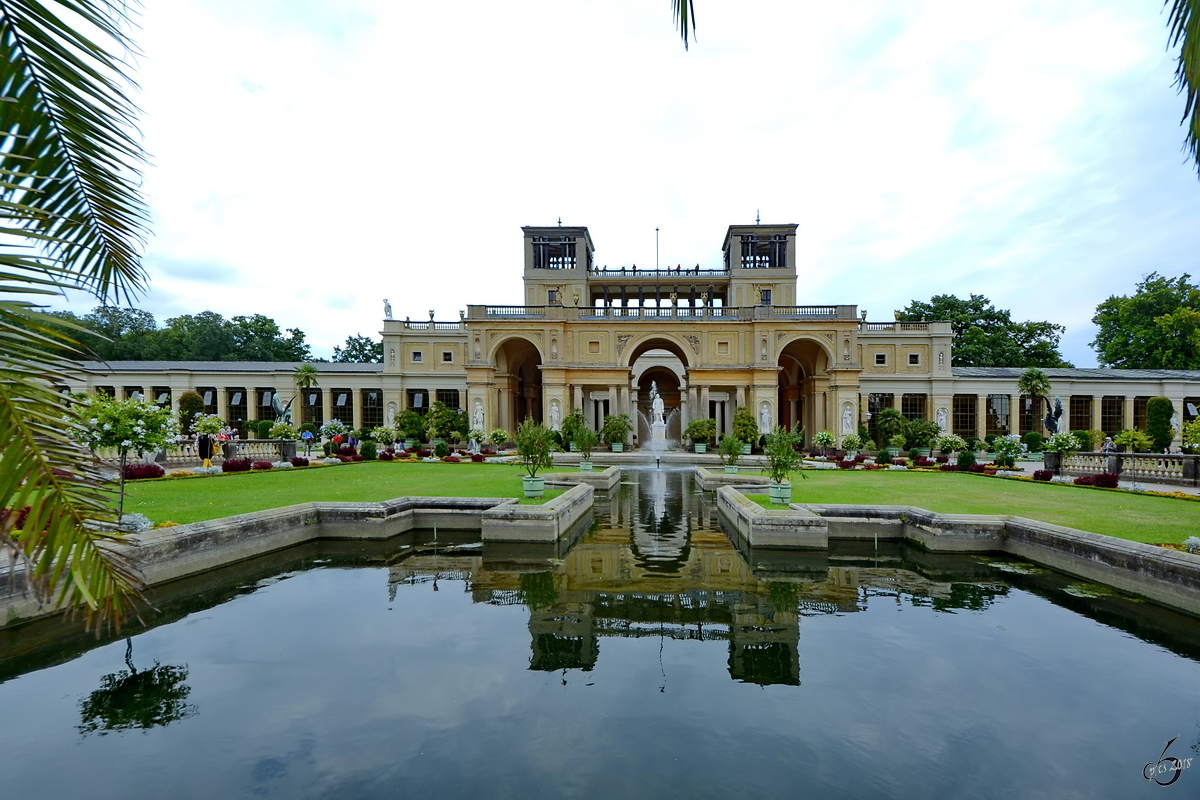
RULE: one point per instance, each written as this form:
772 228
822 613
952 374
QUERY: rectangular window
914 359
448 397
236 413
132 392
552 297
1139 412
1080 416
722 348
764 253
418 400
313 406
1030 415
162 396
554 252
912 406
765 297
262 395
881 359
1112 415
997 415
372 408
875 404
963 415
343 406
417 356
107 391
447 357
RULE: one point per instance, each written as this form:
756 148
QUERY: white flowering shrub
951 443
335 427
1061 442
127 425
823 439
385 435
282 430
1007 449
207 423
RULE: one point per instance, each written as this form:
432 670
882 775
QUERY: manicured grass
185 500
1141 518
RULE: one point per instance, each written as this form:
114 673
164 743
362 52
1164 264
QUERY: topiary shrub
1107 480
263 427
914 454
261 465
884 457
369 450
299 461
137 472
236 465
1084 438
1043 474
1158 422
441 450
966 460
1034 441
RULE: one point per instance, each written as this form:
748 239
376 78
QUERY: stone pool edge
1168 577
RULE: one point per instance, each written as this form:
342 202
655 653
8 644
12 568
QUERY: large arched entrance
803 380
660 363
518 383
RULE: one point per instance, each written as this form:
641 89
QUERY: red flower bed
943 459
477 458
356 458
386 455
236 465
299 461
924 461
900 462
977 468
424 453
860 458
1107 480
135 472
452 459
1085 480
262 465
948 468
872 466
1043 474
347 451
845 465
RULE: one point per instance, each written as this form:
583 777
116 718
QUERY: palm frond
685 15
69 146
1184 31
70 217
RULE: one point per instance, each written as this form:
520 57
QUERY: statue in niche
553 349
575 295
392 357
477 415
387 309
555 415
764 417
847 418
942 418
391 414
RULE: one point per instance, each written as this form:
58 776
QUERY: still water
653 658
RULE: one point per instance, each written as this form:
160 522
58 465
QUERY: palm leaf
685 14
1184 31
70 217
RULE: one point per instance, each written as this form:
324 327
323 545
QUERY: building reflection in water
656 564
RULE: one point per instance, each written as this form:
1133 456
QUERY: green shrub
966 459
1083 438
368 450
745 429
701 430
884 457
327 448
1158 422
1035 441
308 426
190 404
914 454
616 428
441 449
533 447
730 450
1134 441
263 428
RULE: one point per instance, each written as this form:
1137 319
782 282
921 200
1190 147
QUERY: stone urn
1053 462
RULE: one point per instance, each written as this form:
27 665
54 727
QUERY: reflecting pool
650 658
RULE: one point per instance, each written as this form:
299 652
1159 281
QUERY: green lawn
1142 518
185 500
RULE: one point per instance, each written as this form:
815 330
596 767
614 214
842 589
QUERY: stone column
704 412
614 402
1014 412
980 416
356 403
326 404
576 397
740 396
223 407
1097 409
1127 413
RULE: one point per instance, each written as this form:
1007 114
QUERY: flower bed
236 465
299 461
137 472
262 465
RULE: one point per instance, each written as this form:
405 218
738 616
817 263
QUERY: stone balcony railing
681 311
182 455
1177 469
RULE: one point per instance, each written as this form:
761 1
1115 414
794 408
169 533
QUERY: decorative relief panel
622 340
694 341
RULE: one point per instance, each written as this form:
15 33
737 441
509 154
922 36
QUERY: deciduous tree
1156 328
986 336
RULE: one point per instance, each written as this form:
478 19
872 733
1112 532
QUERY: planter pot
924 451
617 447
781 493
895 451
850 454
409 444
701 447
436 442
745 449
1053 462
574 448
534 487
731 470
585 466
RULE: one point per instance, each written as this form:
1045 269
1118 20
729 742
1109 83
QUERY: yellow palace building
594 338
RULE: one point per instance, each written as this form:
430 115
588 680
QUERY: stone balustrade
1177 469
184 455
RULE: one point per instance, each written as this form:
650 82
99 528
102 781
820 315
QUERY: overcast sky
312 157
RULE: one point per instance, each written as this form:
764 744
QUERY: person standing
205 448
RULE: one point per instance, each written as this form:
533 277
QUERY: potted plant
498 438
824 440
782 460
615 430
1133 440
1057 446
571 426
287 435
951 443
921 434
533 450
730 450
411 426
585 441
700 431
889 422
896 444
745 428
852 442
1007 449
385 435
